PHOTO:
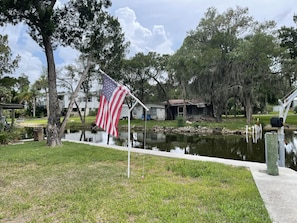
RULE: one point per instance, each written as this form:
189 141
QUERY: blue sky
150 25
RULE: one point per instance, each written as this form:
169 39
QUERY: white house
156 111
276 108
90 104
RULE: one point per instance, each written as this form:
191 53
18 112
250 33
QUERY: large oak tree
7 63
205 59
51 26
229 57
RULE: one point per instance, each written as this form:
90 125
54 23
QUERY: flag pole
136 99
129 144
129 128
129 120
129 138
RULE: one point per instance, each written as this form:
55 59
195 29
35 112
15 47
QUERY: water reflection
222 146
291 149
88 136
231 147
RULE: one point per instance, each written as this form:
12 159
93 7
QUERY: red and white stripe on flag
110 105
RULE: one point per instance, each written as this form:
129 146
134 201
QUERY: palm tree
42 84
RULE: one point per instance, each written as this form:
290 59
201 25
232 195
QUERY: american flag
110 106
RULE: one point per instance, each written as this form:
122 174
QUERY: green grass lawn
74 122
82 183
230 122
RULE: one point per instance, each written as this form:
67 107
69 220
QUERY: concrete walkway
279 193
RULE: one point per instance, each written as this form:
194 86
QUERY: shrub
93 112
180 121
9 136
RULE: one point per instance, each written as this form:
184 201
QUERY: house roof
180 102
155 105
151 105
11 106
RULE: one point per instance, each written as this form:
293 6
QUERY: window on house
88 98
180 111
153 111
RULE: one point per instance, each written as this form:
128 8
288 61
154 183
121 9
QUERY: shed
156 111
194 108
10 106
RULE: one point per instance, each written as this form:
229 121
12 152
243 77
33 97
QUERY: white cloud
179 17
160 40
29 65
32 55
66 56
143 39
22 44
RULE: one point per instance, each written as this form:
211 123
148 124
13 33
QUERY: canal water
234 147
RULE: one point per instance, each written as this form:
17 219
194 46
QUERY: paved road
279 193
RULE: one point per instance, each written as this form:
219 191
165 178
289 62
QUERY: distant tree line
230 61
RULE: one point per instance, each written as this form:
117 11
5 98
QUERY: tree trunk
12 117
54 124
218 112
83 120
184 95
168 111
34 106
78 111
47 103
248 110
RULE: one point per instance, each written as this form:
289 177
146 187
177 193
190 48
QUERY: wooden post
38 134
271 153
